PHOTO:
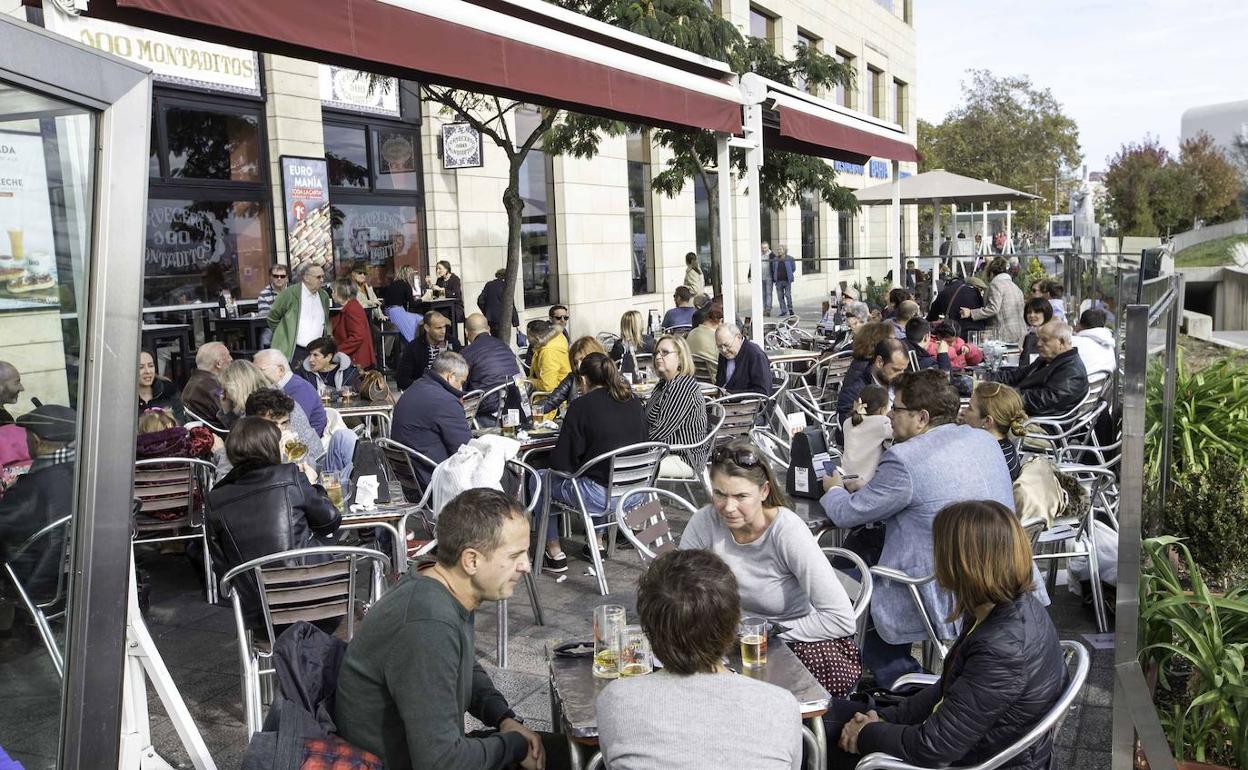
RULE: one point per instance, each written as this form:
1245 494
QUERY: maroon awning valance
801 131
419 42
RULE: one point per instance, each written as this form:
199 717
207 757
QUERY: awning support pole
984 240
753 162
895 225
727 245
1009 228
936 233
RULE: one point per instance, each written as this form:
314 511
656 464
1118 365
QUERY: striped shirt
265 301
1012 460
676 414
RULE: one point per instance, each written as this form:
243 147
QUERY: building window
875 87
762 25
907 11
641 211
375 195
844 95
885 4
901 94
702 227
811 42
209 222
539 263
847 224
769 227
810 233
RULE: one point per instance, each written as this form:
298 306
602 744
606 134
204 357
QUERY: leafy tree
1133 182
1212 181
1009 132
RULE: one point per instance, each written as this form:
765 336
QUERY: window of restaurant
539 260
769 226
847 225
875 90
702 226
844 95
209 223
762 25
641 211
810 233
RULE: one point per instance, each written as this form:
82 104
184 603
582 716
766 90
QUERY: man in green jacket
300 314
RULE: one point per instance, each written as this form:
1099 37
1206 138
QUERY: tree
1009 132
1212 181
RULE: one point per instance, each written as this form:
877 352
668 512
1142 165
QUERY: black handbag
807 455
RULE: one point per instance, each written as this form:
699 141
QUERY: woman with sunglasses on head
783 575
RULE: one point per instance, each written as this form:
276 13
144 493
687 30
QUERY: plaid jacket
1003 308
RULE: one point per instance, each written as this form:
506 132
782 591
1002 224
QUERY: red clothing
353 334
961 354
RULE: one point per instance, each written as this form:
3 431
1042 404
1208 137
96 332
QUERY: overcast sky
1120 68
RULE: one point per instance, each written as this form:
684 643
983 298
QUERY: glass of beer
609 623
753 635
332 487
635 652
511 421
294 449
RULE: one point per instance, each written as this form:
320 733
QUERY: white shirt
311 317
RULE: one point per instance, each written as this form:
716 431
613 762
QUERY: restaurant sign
461 146
348 89
305 194
172 59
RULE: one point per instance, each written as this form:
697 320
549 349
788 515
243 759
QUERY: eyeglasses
561 317
743 457
664 353
277 275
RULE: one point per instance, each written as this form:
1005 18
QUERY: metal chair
472 402
681 330
741 413
1075 653
192 417
289 590
176 486
934 649
704 370
528 475
645 525
630 467
714 419
39 610
403 462
499 392
774 449
865 585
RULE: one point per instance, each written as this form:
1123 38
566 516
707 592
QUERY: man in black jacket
918 334
490 364
432 338
490 302
890 361
429 416
743 365
1055 382
955 295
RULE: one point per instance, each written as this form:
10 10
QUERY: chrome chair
290 591
528 475
630 467
934 648
714 419
741 413
703 370
403 462
472 402
192 417
44 610
864 583
178 487
645 524
681 330
1075 654
498 392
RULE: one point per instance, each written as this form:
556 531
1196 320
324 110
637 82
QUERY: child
961 354
868 432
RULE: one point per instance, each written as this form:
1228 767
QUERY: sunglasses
742 457
562 317
277 275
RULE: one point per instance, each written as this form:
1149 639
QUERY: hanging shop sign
461 146
355 91
879 169
27 246
305 195
172 59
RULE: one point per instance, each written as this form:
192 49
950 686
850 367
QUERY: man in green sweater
300 314
409 674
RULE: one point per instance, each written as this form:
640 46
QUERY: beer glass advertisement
305 190
27 249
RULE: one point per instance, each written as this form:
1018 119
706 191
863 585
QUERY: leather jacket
564 391
260 510
1050 388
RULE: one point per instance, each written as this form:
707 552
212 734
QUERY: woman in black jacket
566 390
1036 313
1003 674
264 506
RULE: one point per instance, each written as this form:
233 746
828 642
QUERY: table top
166 327
532 440
793 354
573 683
359 406
249 319
384 512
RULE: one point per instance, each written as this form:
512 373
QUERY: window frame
876 88
812 41
769 19
844 95
649 282
901 102
811 264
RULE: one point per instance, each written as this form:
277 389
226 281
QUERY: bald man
1057 381
10 387
743 366
202 394
490 363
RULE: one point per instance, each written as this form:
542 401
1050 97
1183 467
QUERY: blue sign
842 167
879 169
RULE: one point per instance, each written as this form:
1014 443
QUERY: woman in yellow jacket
550 362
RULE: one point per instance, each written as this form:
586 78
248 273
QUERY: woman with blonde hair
1002 675
632 341
998 409
676 411
549 355
242 378
566 390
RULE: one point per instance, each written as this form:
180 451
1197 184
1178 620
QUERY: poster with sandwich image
27 249
305 190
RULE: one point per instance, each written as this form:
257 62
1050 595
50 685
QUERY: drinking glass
753 635
332 487
635 652
609 621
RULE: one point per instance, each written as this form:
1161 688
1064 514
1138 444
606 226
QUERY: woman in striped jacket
676 411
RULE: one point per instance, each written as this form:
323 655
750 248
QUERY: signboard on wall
172 59
348 89
305 196
461 146
1062 231
27 249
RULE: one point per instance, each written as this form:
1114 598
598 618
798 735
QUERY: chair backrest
740 415
472 402
679 331
192 417
861 601
306 584
644 523
44 534
499 392
632 466
174 486
912 584
703 370
402 461
530 484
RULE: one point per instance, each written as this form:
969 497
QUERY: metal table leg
816 740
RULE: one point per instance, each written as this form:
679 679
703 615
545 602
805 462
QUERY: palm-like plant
1210 416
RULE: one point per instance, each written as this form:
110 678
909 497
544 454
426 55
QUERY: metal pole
1172 353
936 233
895 221
753 162
727 246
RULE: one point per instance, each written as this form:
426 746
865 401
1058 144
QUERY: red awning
453 43
837 137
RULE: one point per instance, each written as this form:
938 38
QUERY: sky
1120 68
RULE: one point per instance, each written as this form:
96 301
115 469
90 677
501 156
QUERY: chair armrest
881 761
923 680
898 576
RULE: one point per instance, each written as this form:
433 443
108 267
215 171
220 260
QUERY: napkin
365 494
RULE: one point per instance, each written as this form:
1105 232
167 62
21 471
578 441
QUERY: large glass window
875 90
762 25
847 224
209 220
769 226
810 233
844 95
702 227
900 101
538 252
811 42
346 155
641 211
382 236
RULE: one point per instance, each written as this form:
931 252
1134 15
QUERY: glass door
73 128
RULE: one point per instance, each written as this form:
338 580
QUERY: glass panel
213 145
639 211
760 25
845 96
398 152
848 228
383 237
46 180
346 154
702 228
537 232
810 233
196 248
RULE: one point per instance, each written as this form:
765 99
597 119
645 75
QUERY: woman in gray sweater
783 575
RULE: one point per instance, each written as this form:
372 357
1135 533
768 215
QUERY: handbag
373 387
1037 493
807 455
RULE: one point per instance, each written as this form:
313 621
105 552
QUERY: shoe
556 563
623 543
585 552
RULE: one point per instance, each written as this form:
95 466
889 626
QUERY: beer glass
332 487
609 623
635 652
753 635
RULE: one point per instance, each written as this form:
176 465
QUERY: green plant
1210 416
875 294
1025 279
1207 717
1208 508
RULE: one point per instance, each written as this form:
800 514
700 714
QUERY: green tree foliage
1211 179
1010 132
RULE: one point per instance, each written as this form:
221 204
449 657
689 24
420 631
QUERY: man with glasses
889 362
300 314
932 463
560 316
268 295
743 366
